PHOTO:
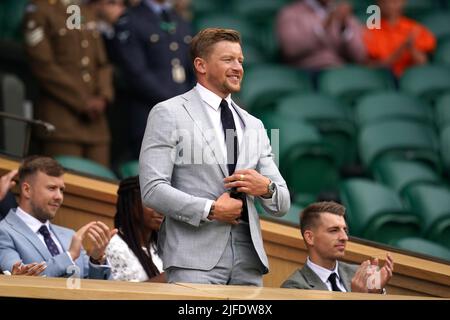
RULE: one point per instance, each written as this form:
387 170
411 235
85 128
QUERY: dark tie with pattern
332 278
231 141
51 245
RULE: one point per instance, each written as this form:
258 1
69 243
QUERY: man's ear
200 65
308 236
25 190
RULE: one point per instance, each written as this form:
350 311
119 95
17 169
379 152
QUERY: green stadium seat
85 166
202 8
387 105
438 22
423 246
258 11
227 20
431 204
306 161
401 174
292 217
442 111
260 91
375 212
252 55
329 116
419 8
427 82
442 54
11 14
445 148
351 82
398 139
129 169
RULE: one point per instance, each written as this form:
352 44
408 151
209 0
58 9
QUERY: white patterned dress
125 266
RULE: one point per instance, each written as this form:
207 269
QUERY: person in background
27 236
132 252
400 42
151 43
75 79
319 34
7 198
325 234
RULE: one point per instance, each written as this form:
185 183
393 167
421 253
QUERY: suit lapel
346 280
64 241
312 278
240 164
196 110
18 225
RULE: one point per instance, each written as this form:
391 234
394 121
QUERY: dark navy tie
231 141
332 279
51 245
229 130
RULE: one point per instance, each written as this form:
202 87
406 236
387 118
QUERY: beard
41 213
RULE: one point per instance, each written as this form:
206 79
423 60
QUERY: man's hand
31 269
384 274
7 182
359 280
96 240
75 244
95 107
248 181
369 268
227 209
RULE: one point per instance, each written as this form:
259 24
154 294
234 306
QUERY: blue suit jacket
19 242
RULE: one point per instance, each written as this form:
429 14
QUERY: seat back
427 81
385 105
402 174
351 82
398 139
431 203
85 166
423 246
375 211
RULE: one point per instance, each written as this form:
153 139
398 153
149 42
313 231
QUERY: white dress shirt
212 101
324 273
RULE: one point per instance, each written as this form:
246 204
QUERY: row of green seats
377 212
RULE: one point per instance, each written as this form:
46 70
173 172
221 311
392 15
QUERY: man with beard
27 235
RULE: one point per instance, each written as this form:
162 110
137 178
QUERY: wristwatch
271 189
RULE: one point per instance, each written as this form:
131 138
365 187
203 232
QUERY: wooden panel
57 288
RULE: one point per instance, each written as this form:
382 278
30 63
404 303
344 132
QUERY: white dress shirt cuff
207 209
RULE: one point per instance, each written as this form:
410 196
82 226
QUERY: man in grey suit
204 162
324 231
27 235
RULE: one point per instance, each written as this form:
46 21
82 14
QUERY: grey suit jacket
19 242
305 278
182 166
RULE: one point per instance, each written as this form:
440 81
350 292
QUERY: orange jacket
382 43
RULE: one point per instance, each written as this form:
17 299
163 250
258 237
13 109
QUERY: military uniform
152 51
71 66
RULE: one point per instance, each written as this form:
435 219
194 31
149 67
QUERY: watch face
272 187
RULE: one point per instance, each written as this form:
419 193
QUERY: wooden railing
87 199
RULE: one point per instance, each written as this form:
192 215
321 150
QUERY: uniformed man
151 43
70 63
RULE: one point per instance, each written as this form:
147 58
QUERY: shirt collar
33 223
322 272
157 7
212 99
